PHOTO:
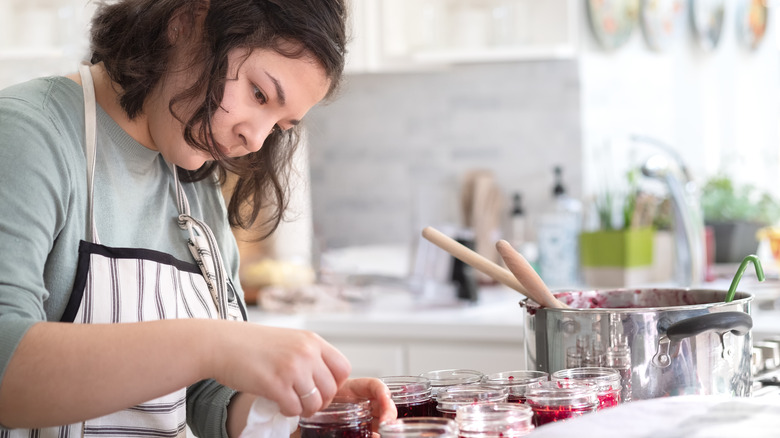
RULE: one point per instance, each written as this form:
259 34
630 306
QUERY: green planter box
617 258
624 248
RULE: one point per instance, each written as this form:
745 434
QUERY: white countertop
496 317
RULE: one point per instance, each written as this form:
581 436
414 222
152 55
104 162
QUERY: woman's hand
382 406
297 369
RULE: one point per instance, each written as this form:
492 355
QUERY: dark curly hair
131 38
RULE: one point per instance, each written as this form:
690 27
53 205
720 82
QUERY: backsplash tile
388 154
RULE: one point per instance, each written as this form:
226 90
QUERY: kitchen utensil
482 264
526 275
675 341
741 270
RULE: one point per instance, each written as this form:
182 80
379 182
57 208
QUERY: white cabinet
391 35
42 37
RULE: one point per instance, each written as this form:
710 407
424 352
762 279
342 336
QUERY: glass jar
411 395
494 420
443 378
551 402
345 417
605 380
451 398
419 427
516 382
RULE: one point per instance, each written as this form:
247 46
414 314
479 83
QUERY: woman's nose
254 135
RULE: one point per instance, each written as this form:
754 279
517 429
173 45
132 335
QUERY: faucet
688 222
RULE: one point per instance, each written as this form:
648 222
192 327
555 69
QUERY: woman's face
263 91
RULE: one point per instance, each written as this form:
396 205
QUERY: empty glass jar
419 427
494 420
451 398
516 382
345 417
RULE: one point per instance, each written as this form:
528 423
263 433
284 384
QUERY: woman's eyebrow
280 95
279 90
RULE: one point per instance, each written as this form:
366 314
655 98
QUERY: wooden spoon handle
474 259
527 276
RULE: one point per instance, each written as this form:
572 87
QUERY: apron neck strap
90 138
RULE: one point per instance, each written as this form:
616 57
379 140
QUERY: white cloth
265 421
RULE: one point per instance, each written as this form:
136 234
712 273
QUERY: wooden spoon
526 274
482 264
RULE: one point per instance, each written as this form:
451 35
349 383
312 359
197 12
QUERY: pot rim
741 297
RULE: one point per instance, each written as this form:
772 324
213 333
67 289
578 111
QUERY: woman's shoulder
43 92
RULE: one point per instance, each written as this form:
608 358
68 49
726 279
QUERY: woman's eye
259 95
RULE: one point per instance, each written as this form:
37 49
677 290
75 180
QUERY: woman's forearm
64 373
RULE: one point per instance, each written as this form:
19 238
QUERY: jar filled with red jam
605 380
494 420
516 382
419 427
345 417
551 402
411 395
451 398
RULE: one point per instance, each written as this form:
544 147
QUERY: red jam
411 395
421 409
606 381
552 402
362 430
551 414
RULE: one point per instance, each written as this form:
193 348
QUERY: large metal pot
664 341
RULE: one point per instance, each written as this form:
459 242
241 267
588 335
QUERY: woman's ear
184 24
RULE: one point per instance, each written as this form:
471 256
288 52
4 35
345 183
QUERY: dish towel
265 421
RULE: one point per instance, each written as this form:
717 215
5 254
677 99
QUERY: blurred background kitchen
613 143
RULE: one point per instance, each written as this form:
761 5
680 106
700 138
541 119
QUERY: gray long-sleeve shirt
43 214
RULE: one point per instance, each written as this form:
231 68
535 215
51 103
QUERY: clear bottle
419 427
449 399
516 382
517 223
411 395
605 380
494 420
345 417
552 403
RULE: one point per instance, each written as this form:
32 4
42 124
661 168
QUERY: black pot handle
738 323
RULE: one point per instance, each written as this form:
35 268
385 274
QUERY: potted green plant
736 213
620 252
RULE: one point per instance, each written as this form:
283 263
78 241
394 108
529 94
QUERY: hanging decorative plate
661 21
752 20
707 22
612 21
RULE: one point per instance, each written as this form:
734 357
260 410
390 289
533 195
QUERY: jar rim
451 397
408 389
520 377
453 376
399 427
551 394
342 410
598 375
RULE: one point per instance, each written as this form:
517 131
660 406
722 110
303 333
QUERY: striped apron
116 285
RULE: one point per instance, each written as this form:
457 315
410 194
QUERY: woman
119 287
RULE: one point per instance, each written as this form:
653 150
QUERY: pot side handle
738 323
